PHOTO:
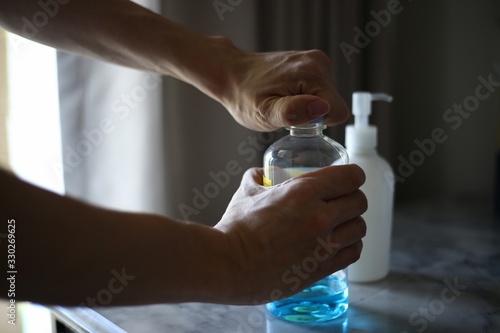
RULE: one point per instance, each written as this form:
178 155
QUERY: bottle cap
315 121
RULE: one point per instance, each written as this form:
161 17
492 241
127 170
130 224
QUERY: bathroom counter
445 276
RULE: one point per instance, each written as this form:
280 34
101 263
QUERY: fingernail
318 108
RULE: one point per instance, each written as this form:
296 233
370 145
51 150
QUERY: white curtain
111 124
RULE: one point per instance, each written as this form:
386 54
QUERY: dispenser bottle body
307 149
379 190
361 143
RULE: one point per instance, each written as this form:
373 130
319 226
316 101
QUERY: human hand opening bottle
275 232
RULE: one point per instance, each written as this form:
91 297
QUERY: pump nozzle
361 135
362 105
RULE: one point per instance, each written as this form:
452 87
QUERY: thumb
252 177
297 110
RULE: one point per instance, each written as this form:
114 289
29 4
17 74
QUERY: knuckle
266 110
315 62
357 175
355 251
262 108
300 194
302 186
296 191
362 201
320 56
358 248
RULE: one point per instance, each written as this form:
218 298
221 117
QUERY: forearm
125 33
67 252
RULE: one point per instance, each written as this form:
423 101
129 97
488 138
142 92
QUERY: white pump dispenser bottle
361 143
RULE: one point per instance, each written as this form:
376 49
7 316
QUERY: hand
274 90
271 230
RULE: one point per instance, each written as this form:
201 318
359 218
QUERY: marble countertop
445 276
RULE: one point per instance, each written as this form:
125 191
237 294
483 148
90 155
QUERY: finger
297 110
253 176
337 260
334 181
347 208
346 256
317 80
339 111
349 232
344 235
322 86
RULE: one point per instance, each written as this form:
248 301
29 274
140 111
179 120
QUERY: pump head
362 135
362 105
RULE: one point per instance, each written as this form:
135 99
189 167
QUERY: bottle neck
307 130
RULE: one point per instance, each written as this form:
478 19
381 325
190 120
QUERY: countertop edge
84 320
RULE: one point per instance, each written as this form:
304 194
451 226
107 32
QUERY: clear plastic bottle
307 149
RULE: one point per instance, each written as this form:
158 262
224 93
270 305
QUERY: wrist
205 62
212 265
228 68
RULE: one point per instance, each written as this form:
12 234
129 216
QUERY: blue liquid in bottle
325 300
